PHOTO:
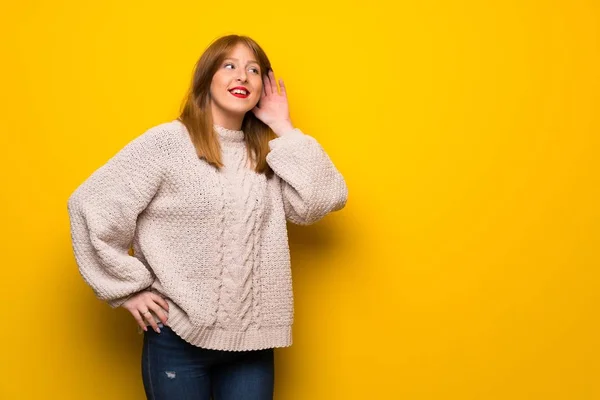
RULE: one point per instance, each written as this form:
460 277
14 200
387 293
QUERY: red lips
239 95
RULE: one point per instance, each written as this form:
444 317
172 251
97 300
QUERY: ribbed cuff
290 137
119 302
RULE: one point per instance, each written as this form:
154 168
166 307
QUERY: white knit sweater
212 242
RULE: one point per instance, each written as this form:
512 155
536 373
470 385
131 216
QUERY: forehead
241 52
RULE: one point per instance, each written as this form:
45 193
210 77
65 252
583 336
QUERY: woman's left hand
273 110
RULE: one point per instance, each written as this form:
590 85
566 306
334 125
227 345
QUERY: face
236 86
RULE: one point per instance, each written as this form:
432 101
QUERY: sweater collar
229 135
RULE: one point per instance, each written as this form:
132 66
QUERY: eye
255 70
228 66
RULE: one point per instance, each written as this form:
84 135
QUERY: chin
240 109
235 108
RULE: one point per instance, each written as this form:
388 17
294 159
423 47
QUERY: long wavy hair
196 111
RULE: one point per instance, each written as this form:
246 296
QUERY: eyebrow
235 59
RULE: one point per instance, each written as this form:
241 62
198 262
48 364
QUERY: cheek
217 88
258 84
257 93
218 81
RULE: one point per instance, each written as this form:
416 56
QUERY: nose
242 76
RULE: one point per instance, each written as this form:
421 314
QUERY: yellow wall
465 265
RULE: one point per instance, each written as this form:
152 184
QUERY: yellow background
465 265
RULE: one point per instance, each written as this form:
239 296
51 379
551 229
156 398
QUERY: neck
229 136
227 120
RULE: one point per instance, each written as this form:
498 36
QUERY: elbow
337 195
78 202
333 199
74 202
71 205
340 195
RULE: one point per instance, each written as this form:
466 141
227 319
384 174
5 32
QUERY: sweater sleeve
103 211
311 185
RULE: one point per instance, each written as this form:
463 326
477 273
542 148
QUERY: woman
202 202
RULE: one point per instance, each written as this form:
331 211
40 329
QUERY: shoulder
160 139
164 133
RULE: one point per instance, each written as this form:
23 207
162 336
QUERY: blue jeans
173 369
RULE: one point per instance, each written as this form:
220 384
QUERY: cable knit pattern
212 242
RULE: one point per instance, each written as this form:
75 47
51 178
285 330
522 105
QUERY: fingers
264 86
159 312
160 301
146 307
138 317
282 87
267 85
150 320
272 82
